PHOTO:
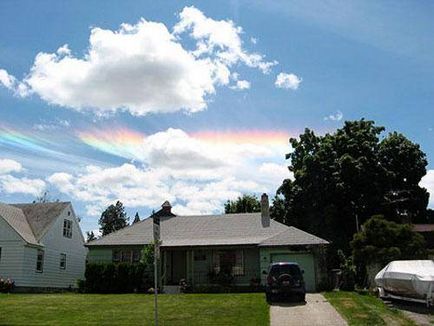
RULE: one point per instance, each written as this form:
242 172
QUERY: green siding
105 254
305 259
99 255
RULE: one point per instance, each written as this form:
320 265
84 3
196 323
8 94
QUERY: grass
365 309
133 309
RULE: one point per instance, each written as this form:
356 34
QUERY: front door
178 266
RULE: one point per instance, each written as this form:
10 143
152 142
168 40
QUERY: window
0 254
67 228
40 261
116 256
229 261
62 261
136 256
126 256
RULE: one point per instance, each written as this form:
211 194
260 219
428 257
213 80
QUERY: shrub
6 285
382 241
116 278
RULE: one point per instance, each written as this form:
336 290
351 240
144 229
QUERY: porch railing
246 278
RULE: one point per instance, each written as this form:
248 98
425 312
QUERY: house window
126 256
40 261
62 261
0 254
67 228
136 256
229 261
116 256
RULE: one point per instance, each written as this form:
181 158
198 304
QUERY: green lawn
133 309
365 309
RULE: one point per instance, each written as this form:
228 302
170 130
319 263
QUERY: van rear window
277 270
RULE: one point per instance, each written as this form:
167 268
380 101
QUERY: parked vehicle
411 280
285 280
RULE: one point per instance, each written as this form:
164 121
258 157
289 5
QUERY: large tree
113 218
243 204
342 179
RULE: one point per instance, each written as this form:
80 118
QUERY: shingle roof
208 230
17 220
296 236
40 216
31 221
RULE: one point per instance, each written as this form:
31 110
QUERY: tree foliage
113 218
136 218
382 241
90 236
244 204
351 175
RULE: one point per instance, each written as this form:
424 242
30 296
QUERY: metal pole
155 284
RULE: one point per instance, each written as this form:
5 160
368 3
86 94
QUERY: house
197 247
41 246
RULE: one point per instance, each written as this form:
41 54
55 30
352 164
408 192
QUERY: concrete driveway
316 311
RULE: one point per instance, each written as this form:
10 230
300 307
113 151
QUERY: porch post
192 268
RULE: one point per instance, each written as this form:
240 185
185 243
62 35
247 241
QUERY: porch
209 266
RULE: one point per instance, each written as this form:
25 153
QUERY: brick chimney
265 211
167 208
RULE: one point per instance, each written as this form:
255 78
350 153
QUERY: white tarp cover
411 278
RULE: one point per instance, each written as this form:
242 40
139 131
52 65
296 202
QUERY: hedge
116 278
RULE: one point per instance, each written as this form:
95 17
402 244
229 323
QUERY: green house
199 248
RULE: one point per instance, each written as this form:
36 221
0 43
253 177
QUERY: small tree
136 218
382 241
244 204
90 236
113 218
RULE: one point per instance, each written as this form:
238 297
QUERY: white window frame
62 263
67 228
40 260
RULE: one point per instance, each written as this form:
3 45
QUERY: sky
194 102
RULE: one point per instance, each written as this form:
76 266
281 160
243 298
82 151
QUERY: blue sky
183 103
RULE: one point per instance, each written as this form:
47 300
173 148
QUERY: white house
41 245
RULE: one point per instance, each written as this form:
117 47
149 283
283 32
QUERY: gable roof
31 221
207 230
297 236
17 220
40 216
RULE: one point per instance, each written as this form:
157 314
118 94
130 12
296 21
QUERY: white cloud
7 80
142 68
8 166
10 82
219 37
241 85
12 185
196 175
428 183
338 116
52 125
287 81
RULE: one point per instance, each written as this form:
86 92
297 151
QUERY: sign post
156 228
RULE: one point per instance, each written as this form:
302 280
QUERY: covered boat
408 280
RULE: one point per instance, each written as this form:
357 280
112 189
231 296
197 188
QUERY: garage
306 262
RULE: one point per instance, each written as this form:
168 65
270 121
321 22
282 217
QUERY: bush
381 242
6 285
116 278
